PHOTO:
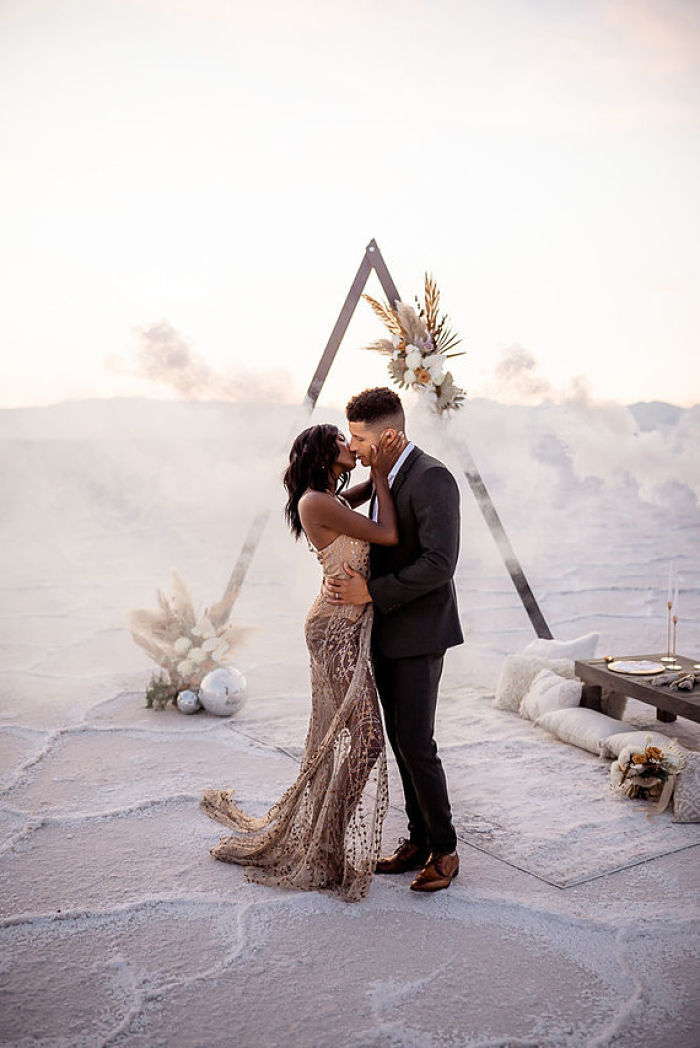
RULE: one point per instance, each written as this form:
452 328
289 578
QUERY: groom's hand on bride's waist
350 588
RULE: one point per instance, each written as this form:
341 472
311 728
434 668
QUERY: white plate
641 668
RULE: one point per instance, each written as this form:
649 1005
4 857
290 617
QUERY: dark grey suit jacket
415 604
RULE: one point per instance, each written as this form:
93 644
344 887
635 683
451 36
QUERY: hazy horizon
335 403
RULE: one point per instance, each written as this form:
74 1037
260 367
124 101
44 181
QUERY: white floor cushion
579 648
518 673
548 692
581 727
637 740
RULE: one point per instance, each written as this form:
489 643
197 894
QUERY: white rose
434 365
182 645
414 357
197 655
409 376
185 667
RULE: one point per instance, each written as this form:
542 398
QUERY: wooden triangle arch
373 260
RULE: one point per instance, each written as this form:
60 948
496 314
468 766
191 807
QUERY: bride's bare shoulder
315 498
316 504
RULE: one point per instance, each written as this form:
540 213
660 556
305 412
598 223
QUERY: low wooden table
669 704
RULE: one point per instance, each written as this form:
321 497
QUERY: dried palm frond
385 313
382 345
445 338
181 602
432 303
164 604
144 621
449 395
415 329
151 647
397 371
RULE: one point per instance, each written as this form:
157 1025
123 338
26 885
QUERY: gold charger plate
638 668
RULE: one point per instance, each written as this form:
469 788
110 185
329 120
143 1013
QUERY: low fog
107 497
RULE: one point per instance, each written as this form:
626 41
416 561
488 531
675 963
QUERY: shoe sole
439 888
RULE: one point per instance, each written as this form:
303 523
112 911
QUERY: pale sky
218 168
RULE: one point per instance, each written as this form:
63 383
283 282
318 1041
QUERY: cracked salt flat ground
120 929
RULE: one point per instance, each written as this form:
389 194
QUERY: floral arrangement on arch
185 646
419 343
649 773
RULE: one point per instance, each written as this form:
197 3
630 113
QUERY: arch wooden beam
373 260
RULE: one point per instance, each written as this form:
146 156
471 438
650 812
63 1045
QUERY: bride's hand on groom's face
383 457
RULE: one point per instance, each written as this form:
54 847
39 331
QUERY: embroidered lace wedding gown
324 833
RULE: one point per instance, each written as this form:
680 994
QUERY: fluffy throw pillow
549 692
581 727
518 673
686 793
580 648
637 740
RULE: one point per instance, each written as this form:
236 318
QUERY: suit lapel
404 471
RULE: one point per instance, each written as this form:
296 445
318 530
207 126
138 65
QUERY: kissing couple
377 631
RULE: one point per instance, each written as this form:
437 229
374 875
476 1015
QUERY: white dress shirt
392 473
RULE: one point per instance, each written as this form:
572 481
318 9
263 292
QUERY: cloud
516 375
517 379
163 357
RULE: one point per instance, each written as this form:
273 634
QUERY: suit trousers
408 689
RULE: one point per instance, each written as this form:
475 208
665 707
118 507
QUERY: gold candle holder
673 665
668 659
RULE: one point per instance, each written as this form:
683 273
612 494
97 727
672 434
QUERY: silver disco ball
187 702
223 691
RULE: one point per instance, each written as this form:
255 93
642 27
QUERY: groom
415 620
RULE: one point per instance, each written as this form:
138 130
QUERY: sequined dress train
324 833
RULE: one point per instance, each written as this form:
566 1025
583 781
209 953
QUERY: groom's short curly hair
375 405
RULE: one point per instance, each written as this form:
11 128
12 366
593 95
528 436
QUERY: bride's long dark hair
311 461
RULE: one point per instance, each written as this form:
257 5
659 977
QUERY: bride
324 832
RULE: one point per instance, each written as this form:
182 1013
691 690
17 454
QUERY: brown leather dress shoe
406 857
439 872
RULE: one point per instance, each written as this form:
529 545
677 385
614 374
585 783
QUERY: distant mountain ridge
656 414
